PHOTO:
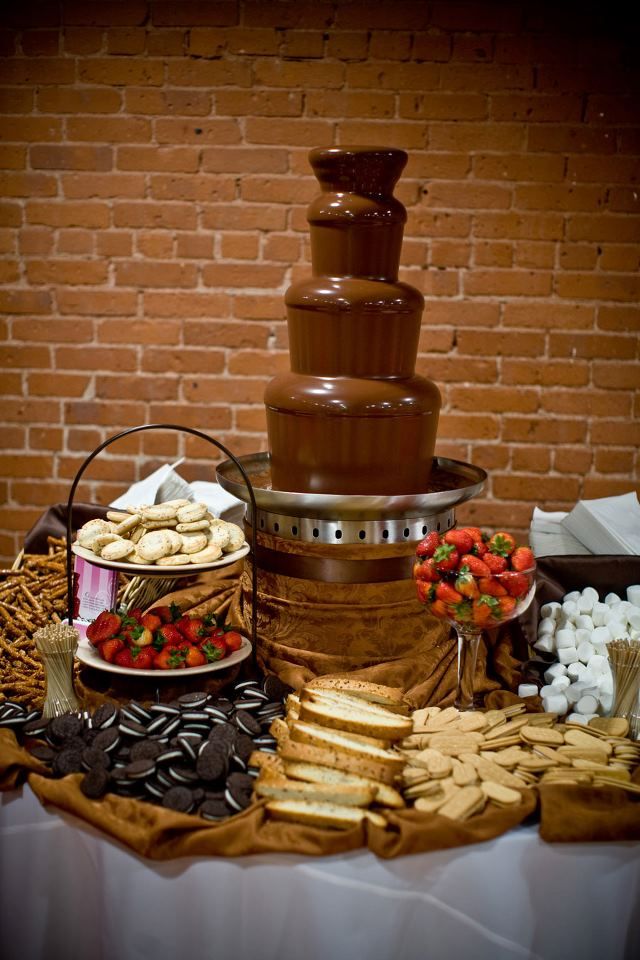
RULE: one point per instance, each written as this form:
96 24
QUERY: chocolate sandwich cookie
107 739
181 773
140 712
170 755
42 752
130 728
95 757
165 709
95 783
238 791
275 688
248 703
179 799
155 790
139 769
61 728
247 723
66 762
104 716
193 701
224 733
211 763
214 810
145 750
243 747
35 728
189 747
157 724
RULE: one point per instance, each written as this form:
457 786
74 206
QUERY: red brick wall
155 180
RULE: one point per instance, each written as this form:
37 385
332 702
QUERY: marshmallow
584 622
561 683
585 651
605 685
611 599
550 610
600 614
578 718
556 703
634 620
565 638
576 670
601 635
598 665
587 704
527 690
572 597
546 643
555 670
582 635
570 609
617 630
546 626
633 594
567 655
588 595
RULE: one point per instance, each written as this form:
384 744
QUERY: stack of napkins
166 484
610 525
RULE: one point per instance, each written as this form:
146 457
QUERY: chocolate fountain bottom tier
351 436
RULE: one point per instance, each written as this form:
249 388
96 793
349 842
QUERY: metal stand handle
227 453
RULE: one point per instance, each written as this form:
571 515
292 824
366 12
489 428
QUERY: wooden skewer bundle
624 658
57 644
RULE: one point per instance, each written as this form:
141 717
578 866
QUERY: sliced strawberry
108 648
474 565
523 558
517 584
428 545
502 543
426 570
447 593
461 540
491 587
446 557
495 562
106 625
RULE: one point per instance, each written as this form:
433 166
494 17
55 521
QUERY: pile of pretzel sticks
33 593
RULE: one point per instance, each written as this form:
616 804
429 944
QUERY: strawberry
491 587
516 583
108 648
475 533
483 609
426 570
480 549
502 543
151 621
105 626
214 649
495 562
169 658
425 591
135 614
233 640
193 630
461 540
428 545
439 610
143 658
194 657
522 558
466 584
138 636
474 565
446 557
507 606
447 593
124 658
463 612
168 614
167 633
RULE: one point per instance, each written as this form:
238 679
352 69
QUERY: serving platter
153 570
87 654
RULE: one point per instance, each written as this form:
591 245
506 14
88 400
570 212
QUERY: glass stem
468 643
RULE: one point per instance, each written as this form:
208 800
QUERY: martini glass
511 594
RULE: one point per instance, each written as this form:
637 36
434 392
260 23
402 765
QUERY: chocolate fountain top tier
356 222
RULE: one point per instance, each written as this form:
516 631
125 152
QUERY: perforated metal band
404 530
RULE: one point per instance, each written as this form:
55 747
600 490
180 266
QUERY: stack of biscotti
336 763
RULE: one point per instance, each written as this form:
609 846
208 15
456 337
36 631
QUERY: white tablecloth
69 893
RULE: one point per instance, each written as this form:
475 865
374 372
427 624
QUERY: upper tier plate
451 483
151 569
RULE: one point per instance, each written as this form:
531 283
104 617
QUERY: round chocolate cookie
94 784
248 724
275 688
95 757
145 750
61 728
212 762
179 799
104 716
214 810
66 762
107 739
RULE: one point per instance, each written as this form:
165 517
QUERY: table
67 891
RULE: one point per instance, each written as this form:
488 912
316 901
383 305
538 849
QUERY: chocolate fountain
350 483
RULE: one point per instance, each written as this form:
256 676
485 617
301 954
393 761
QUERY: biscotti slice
390 697
340 717
346 700
345 794
323 732
386 796
339 760
322 814
340 740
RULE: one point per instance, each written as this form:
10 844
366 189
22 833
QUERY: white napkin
607 525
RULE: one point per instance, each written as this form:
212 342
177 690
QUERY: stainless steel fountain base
348 519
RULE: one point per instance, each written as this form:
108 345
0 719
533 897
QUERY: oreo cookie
61 728
214 810
66 762
179 799
193 701
145 750
104 716
275 688
95 757
139 769
107 739
211 763
247 723
95 783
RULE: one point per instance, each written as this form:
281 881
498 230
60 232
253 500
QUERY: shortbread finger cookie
154 545
103 539
192 512
117 516
236 538
193 542
118 549
207 555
